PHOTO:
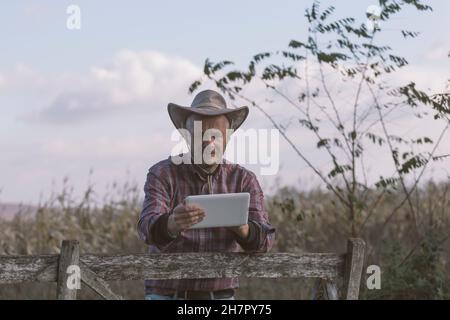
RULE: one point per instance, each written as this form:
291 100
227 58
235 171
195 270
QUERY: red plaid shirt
167 185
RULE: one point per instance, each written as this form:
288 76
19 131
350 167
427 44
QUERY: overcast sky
96 98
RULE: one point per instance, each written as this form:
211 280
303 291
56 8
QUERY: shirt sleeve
263 232
152 224
252 238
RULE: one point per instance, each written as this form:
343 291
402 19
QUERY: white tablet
222 210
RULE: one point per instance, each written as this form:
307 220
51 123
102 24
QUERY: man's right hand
183 217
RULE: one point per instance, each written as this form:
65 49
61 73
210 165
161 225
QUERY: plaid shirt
167 185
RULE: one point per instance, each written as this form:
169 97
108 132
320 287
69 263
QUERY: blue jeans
155 296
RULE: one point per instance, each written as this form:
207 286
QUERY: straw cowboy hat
207 103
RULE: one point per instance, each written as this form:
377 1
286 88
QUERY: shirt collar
202 174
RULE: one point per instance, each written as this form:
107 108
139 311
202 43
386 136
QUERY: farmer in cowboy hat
165 219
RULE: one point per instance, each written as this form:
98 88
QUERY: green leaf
194 86
292 56
297 44
323 143
260 56
331 57
339 169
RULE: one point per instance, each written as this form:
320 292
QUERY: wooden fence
338 275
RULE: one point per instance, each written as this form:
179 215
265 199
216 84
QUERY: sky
91 104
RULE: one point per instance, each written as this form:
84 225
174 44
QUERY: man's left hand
241 231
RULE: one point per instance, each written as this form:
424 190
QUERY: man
165 220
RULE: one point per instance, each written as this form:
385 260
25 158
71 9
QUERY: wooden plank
215 265
97 284
353 268
16 269
69 256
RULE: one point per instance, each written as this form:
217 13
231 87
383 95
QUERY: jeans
155 296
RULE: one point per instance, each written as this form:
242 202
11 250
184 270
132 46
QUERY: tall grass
413 258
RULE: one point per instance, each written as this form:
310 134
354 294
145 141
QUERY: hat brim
178 114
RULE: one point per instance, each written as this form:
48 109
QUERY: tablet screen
222 210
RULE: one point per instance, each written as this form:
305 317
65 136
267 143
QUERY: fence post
354 262
70 255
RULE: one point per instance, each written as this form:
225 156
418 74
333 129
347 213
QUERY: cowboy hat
207 103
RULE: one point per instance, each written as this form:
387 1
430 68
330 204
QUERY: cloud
135 86
132 79
40 12
2 82
433 79
438 52
20 77
126 147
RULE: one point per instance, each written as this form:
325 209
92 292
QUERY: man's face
213 137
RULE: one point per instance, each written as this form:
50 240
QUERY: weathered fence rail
329 268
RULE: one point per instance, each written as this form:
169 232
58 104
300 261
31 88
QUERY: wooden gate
338 275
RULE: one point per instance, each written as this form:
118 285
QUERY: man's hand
241 231
183 217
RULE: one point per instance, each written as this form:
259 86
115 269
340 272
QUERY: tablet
222 210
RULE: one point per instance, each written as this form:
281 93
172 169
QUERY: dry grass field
414 257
